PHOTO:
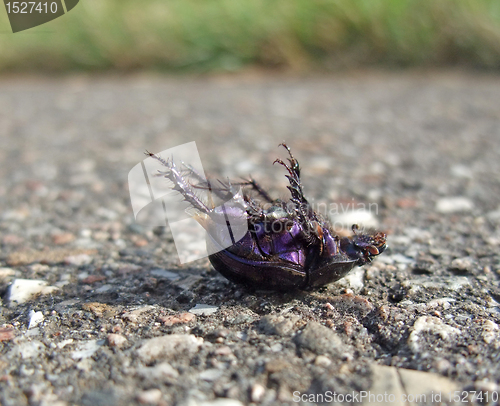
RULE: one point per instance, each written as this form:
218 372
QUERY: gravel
96 309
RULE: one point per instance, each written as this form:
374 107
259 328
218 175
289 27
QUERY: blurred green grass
211 35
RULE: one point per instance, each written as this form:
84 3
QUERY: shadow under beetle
286 246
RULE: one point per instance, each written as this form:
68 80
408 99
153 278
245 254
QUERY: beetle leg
180 184
302 207
205 184
293 169
252 183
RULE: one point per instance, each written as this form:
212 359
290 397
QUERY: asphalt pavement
97 310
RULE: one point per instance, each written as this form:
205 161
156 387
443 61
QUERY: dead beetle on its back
287 245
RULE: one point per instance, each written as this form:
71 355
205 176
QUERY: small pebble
35 319
320 339
179 319
223 351
432 325
322 361
167 346
462 264
133 316
99 309
449 205
7 333
64 343
162 273
151 396
104 288
348 218
461 171
257 392
6 272
63 238
86 349
203 309
277 324
160 371
436 282
12 239
276 347
29 349
78 260
490 331
116 340
353 280
211 374
22 290
93 279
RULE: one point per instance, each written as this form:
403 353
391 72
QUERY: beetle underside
286 244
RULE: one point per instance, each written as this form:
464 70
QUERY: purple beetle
286 246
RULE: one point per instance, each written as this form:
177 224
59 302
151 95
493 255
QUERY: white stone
463 264
22 290
6 272
64 343
353 280
436 282
162 273
28 349
257 392
33 332
407 387
35 319
203 309
169 345
133 315
433 325
490 331
420 386
85 364
150 397
364 218
277 347
322 361
116 340
443 301
458 204
461 171
160 371
104 288
87 349
385 381
78 260
494 215
188 282
211 374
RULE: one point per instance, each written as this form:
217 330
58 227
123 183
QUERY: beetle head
363 247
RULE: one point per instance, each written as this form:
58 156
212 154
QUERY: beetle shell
284 260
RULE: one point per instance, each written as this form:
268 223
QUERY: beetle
286 246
